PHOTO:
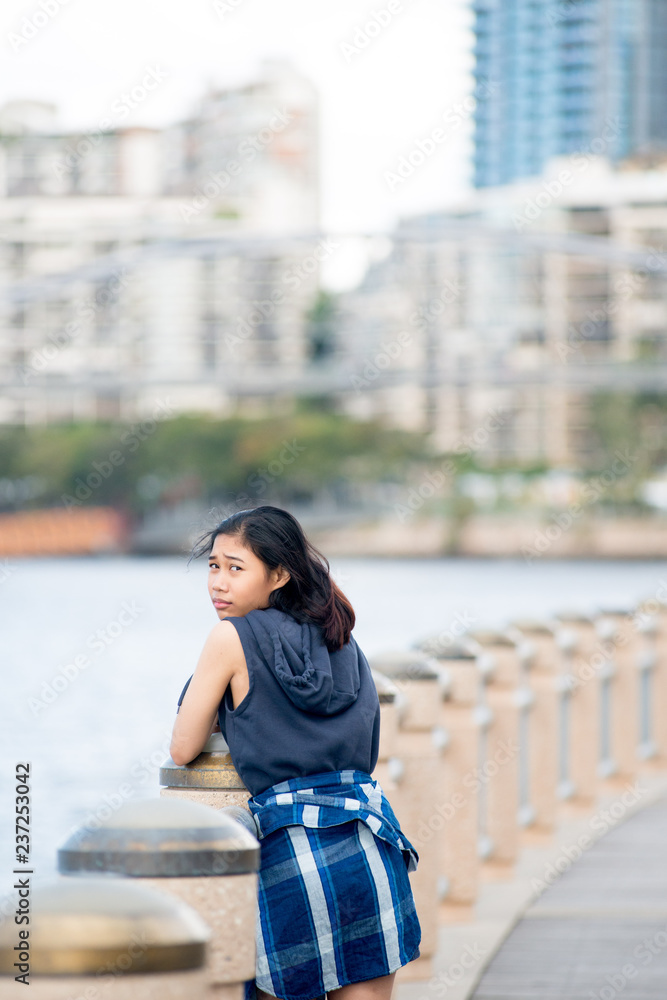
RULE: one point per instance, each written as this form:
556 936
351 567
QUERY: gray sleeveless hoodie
307 711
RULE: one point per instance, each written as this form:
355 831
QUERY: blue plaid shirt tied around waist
335 902
323 800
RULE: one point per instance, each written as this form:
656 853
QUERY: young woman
293 695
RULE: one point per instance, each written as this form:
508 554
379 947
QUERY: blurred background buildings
523 329
131 258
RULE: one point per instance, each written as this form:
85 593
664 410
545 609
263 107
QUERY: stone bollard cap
573 618
462 650
617 611
651 606
170 838
530 626
106 926
488 637
213 768
407 665
387 691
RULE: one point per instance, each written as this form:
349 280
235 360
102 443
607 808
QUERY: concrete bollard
543 729
498 769
210 779
105 939
194 853
456 805
582 658
388 766
417 779
619 696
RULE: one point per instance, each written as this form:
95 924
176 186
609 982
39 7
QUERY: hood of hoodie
314 679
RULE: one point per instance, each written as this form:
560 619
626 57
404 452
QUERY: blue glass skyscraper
559 76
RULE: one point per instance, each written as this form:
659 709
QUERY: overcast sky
377 102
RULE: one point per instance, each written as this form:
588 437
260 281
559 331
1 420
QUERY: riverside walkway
600 931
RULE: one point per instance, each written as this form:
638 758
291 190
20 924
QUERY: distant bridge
314 380
444 231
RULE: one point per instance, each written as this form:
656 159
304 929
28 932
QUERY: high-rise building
557 77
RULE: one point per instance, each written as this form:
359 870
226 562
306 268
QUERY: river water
95 653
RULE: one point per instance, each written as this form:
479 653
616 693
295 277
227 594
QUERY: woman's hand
220 658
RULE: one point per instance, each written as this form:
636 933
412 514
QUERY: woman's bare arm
219 660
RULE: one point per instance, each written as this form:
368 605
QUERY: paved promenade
597 932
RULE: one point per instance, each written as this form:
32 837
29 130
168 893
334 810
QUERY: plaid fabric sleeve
329 799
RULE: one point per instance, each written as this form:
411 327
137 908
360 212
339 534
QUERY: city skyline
372 115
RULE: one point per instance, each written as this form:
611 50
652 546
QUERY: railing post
456 804
621 698
197 855
108 938
652 627
420 741
499 765
542 757
388 766
580 712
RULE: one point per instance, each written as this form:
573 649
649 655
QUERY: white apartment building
138 264
517 308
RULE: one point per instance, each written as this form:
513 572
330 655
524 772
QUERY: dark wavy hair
276 537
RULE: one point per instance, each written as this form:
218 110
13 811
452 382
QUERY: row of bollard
485 744
502 734
161 904
157 903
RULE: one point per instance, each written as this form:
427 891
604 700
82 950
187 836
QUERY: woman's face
239 582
